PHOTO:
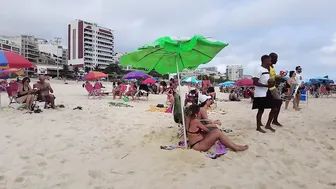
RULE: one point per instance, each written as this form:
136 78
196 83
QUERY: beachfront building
209 71
234 72
52 57
27 44
28 48
8 45
90 45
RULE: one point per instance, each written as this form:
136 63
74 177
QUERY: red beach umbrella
244 82
13 60
149 81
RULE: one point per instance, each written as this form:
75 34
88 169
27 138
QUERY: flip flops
60 106
227 130
37 111
78 108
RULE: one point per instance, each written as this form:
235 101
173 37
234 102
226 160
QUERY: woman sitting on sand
233 96
26 94
203 142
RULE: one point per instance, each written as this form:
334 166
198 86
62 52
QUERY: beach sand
104 147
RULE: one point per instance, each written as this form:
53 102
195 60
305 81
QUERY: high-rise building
90 45
234 72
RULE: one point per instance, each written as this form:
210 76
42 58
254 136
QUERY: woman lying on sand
201 138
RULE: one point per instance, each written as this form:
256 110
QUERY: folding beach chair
12 92
91 91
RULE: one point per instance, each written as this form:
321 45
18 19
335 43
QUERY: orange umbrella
95 75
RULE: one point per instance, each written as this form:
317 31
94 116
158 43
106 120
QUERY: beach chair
98 89
123 90
304 96
12 91
325 92
91 91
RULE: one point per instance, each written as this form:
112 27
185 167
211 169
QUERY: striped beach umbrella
189 80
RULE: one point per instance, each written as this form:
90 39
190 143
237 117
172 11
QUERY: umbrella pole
182 104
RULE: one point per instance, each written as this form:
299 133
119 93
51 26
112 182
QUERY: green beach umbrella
173 55
189 80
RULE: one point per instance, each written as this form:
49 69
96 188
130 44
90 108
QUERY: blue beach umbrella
226 84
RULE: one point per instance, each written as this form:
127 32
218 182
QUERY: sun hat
202 98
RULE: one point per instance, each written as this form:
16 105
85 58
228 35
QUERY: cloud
298 30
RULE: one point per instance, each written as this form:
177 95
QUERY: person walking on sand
262 96
299 82
274 61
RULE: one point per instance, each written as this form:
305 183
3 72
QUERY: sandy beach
105 147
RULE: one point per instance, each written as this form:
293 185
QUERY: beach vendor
275 77
262 96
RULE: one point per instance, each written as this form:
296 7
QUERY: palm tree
96 68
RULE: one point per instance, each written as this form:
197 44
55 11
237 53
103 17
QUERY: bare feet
277 123
269 128
239 148
260 130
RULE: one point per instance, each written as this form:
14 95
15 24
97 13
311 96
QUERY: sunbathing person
202 139
45 91
26 94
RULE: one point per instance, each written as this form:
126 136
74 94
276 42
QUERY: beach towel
119 104
156 109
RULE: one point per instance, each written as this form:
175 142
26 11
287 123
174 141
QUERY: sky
301 32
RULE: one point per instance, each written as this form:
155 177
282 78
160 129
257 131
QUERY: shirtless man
45 89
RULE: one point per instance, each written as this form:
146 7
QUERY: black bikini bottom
192 145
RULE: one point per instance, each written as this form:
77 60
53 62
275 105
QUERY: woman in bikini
26 94
203 142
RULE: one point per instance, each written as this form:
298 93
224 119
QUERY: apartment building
53 48
234 72
90 45
65 56
8 45
28 45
